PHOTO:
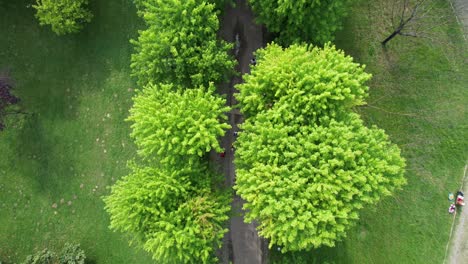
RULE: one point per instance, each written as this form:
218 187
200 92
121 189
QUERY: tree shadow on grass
34 151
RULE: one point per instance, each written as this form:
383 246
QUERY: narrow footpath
459 246
242 245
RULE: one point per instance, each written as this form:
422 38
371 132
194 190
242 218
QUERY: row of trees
305 162
64 16
171 203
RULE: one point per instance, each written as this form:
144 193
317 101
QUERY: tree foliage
301 20
169 206
220 4
71 254
64 16
305 162
180 45
171 211
170 122
305 184
310 82
42 257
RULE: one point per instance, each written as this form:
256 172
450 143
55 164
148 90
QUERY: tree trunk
396 32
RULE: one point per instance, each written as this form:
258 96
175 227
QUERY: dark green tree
64 16
301 20
180 45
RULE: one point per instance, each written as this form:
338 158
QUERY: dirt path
459 246
460 8
242 243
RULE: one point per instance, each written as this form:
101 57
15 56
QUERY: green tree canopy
220 4
301 20
64 16
170 211
170 122
180 45
305 184
305 162
309 82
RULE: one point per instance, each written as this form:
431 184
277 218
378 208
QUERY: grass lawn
75 142
418 96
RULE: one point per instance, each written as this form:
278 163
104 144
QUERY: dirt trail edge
460 8
242 245
459 247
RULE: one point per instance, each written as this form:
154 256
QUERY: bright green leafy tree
305 184
305 162
180 45
170 211
310 82
170 206
220 4
64 16
170 122
301 20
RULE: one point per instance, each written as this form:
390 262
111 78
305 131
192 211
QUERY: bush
71 254
42 257
64 16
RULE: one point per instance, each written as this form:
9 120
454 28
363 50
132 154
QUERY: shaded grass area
56 163
418 96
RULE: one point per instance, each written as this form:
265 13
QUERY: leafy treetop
307 82
305 184
305 162
170 123
180 45
172 218
313 21
64 16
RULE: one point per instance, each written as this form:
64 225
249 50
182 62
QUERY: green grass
70 84
418 96
78 91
